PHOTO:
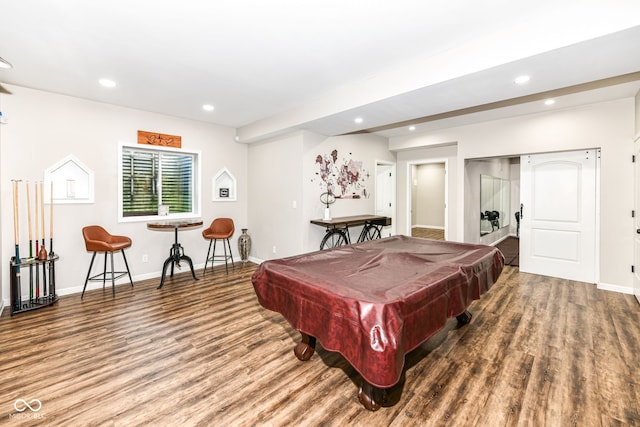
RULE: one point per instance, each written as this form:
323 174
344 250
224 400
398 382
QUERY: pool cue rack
40 276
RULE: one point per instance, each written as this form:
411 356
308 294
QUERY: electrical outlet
274 249
145 258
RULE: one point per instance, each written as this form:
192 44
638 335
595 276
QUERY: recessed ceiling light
208 107
358 120
5 64
520 80
549 102
107 83
412 128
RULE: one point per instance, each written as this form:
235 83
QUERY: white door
385 195
636 231
557 226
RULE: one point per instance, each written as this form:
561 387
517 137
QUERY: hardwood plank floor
429 233
538 352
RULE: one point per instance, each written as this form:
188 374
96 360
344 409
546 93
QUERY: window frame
196 201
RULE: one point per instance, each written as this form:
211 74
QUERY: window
150 178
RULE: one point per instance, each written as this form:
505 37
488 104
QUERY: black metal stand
176 254
36 299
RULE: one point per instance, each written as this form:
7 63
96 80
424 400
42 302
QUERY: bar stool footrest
107 276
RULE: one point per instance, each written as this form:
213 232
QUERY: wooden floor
538 352
429 233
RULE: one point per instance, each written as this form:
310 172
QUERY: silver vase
244 245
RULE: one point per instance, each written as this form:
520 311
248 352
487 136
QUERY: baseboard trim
435 227
615 288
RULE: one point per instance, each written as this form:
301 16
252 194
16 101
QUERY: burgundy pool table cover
374 302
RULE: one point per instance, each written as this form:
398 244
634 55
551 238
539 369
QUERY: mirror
494 204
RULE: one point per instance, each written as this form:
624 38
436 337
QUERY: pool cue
43 250
51 221
37 245
36 223
30 244
52 273
16 238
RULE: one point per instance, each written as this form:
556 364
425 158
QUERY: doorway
386 194
427 199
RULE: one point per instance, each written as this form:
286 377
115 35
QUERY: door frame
636 221
446 191
394 184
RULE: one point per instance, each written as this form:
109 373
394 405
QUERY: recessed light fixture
107 83
358 120
5 64
520 80
412 128
208 107
549 102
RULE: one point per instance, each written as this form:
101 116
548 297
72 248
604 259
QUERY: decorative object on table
220 229
244 245
344 178
224 186
161 139
327 198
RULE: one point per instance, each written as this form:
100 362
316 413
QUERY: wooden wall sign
152 138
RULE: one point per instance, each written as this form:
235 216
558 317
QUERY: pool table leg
464 318
306 348
371 397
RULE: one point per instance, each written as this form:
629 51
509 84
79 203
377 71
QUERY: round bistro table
176 254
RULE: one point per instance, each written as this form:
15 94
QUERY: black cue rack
33 284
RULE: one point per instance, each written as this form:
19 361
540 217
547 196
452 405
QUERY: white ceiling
273 66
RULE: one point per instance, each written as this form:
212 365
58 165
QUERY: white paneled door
557 225
386 195
636 231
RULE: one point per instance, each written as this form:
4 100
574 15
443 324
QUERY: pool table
374 302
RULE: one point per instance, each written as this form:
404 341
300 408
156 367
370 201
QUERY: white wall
608 125
44 128
275 166
276 186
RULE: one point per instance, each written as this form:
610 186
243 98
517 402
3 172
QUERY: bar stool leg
230 254
104 273
226 266
127 265
88 274
207 260
113 278
213 255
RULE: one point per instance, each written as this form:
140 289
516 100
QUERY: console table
338 229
